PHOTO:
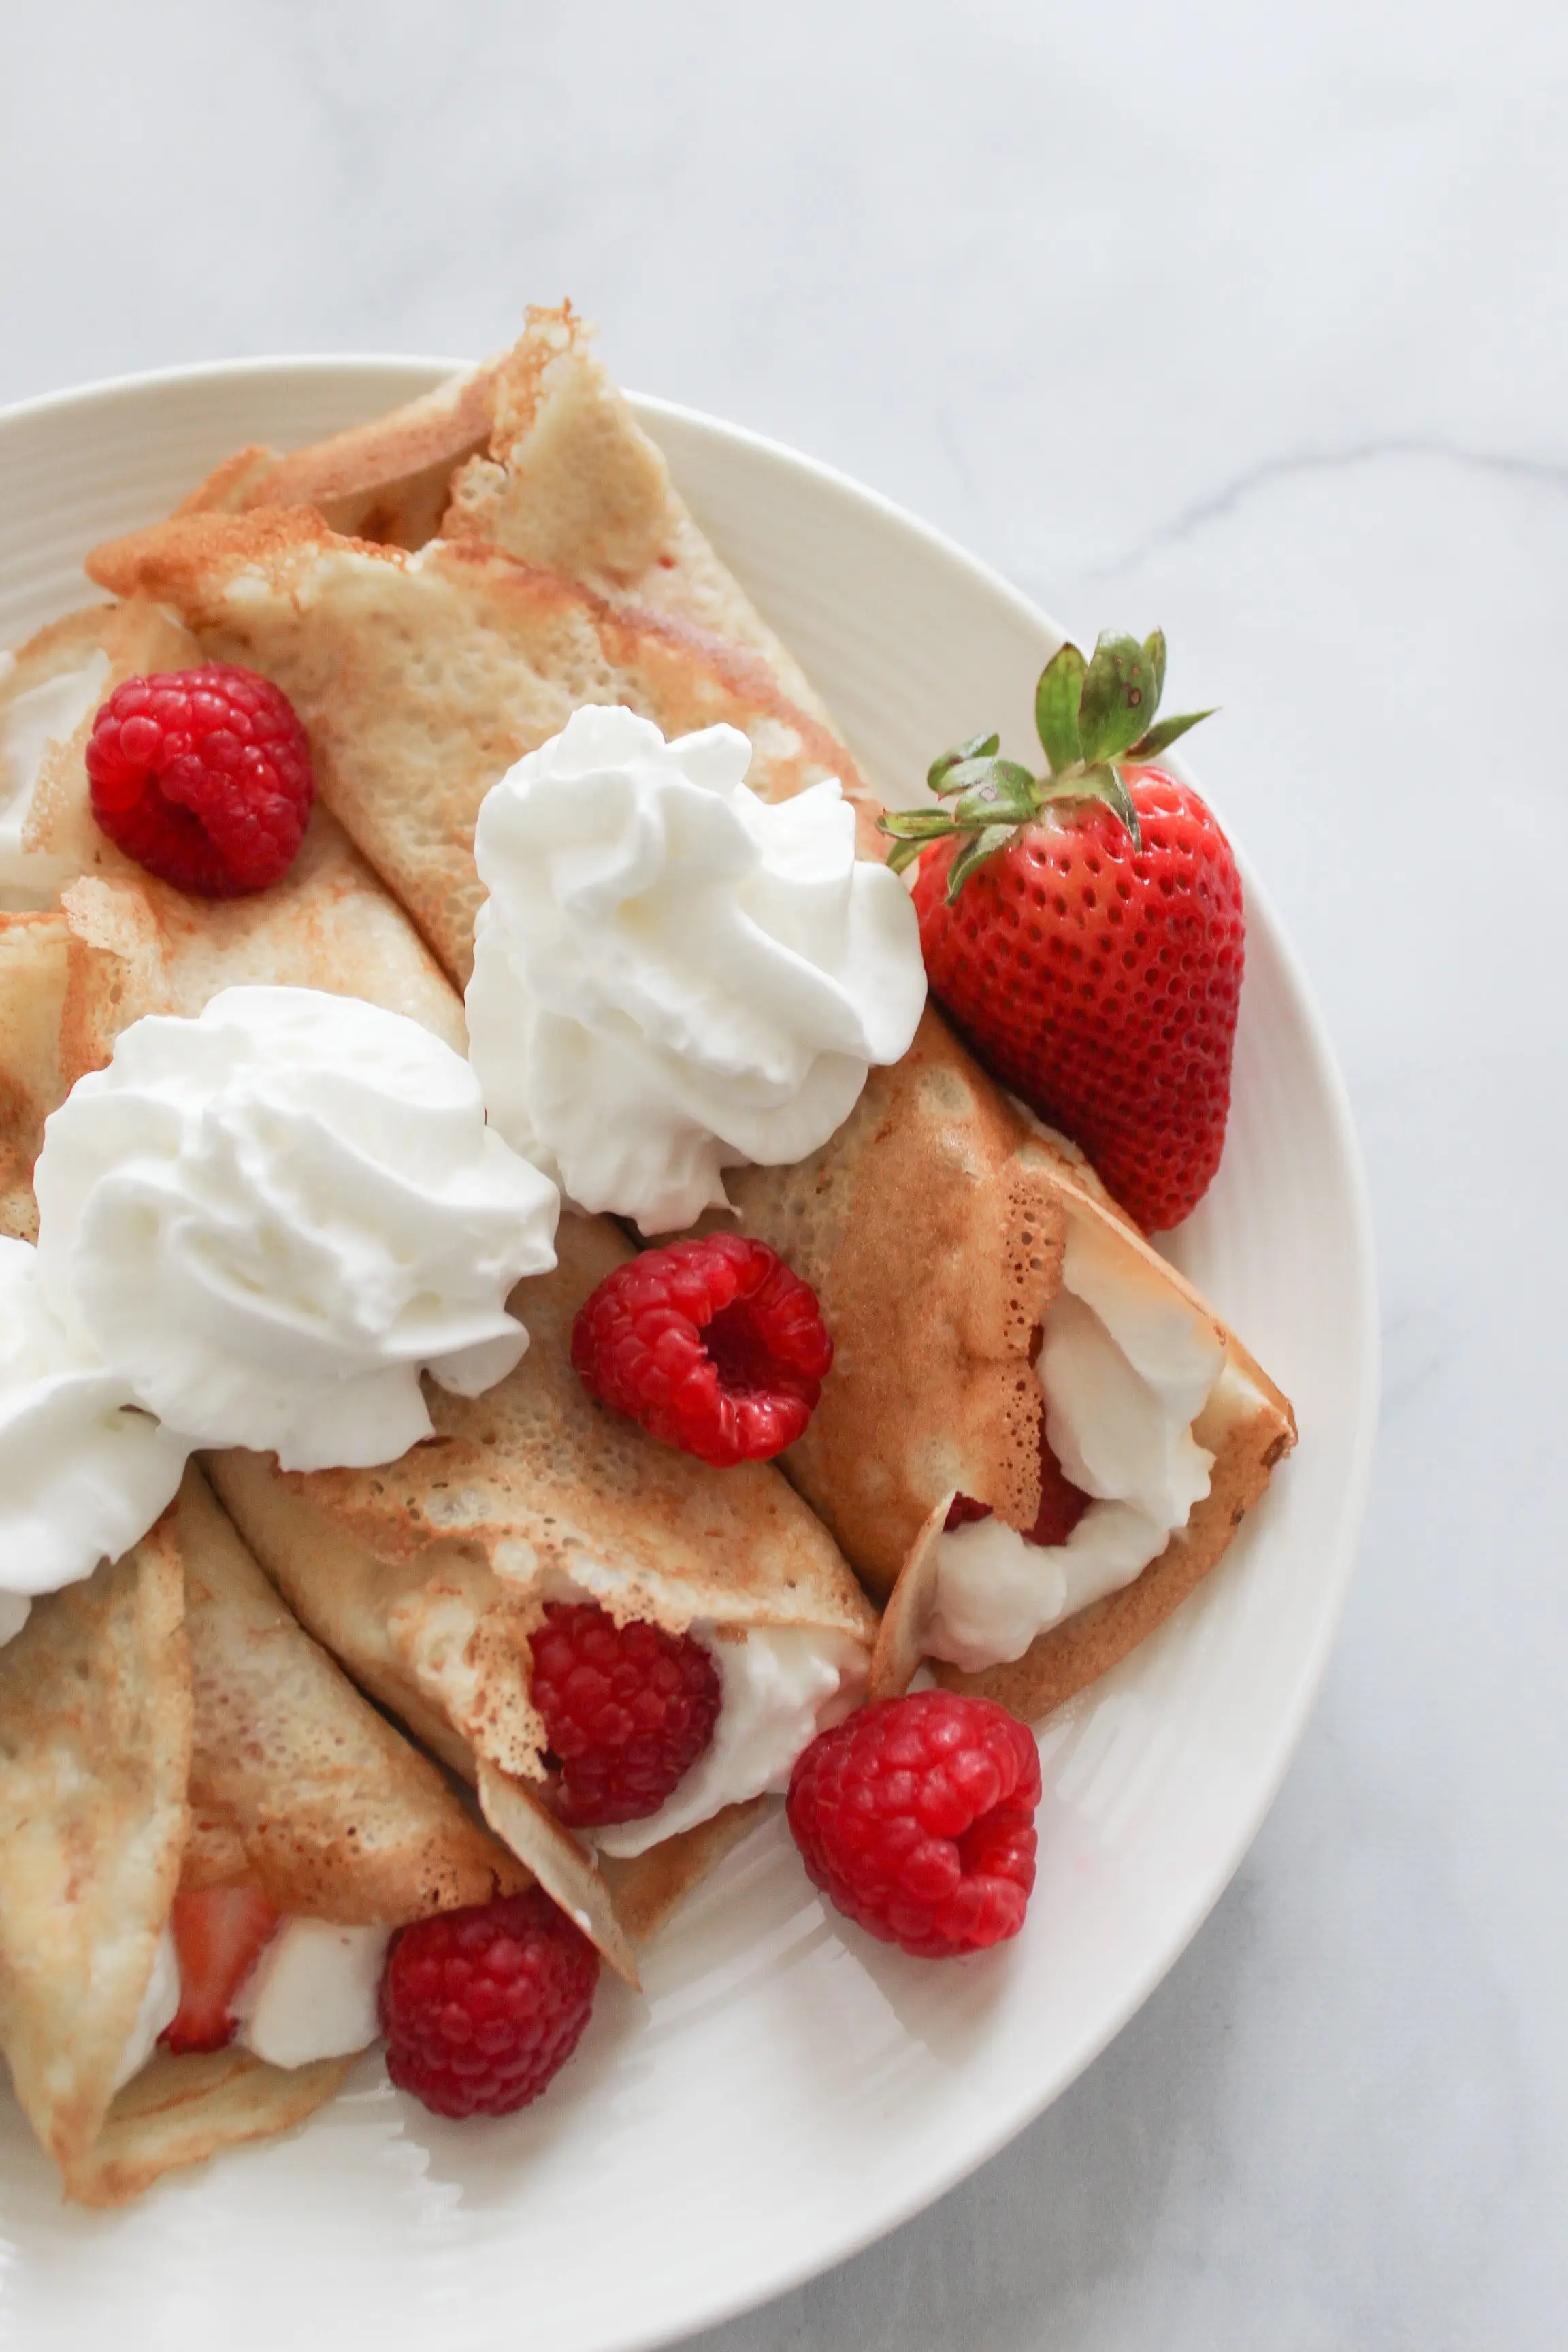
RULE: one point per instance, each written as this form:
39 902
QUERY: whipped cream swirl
266 1221
672 977
82 1474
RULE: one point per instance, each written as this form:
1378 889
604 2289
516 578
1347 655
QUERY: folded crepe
424 1582
166 1724
934 1224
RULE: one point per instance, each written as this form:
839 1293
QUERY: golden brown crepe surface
323 1804
421 680
95 1750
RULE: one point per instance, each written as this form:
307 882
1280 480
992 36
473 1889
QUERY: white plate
786 2090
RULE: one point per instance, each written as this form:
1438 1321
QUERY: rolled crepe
166 1723
447 1581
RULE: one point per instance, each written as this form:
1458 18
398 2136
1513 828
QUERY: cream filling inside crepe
312 1993
1127 1366
781 1686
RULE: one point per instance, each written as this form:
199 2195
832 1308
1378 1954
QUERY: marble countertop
1245 321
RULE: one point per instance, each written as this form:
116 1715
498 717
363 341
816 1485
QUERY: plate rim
1340 1557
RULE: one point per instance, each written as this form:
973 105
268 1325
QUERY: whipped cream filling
781 1686
160 2007
266 1221
672 977
312 1993
83 1474
30 724
1126 1367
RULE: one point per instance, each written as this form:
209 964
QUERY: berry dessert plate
783 2090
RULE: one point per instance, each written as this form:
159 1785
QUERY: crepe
95 1752
388 480
166 1723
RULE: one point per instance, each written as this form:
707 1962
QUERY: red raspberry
628 1709
1062 1504
713 1346
203 777
482 2008
916 1819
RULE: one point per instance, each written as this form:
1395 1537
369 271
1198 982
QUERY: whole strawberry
1084 929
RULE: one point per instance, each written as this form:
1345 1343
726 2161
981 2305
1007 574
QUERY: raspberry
1062 1504
482 2008
916 1819
627 1710
203 777
713 1346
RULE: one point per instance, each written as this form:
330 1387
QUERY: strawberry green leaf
1102 782
1155 647
975 851
979 747
1057 699
1005 795
1163 734
902 854
970 772
1107 785
1118 698
916 824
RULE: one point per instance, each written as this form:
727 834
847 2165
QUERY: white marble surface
1244 320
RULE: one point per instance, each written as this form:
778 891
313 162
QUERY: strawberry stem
1093 717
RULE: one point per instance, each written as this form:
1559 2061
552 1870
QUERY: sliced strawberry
219 1934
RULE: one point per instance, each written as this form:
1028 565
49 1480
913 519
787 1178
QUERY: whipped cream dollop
29 722
82 1472
672 977
780 1686
1126 1365
266 1220
312 1993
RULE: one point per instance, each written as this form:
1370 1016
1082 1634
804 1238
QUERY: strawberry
1085 927
219 1936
